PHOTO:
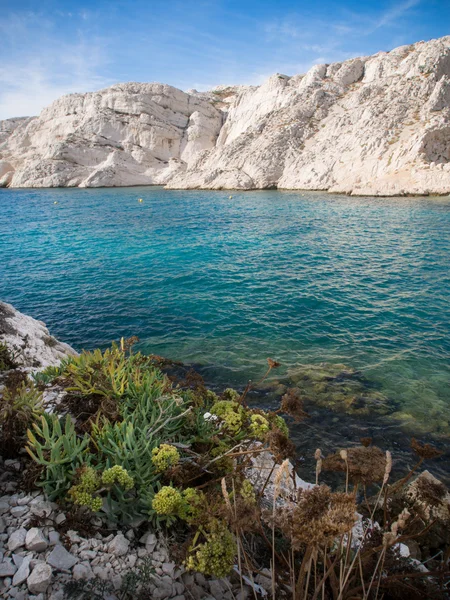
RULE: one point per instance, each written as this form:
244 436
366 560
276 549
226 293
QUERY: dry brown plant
364 464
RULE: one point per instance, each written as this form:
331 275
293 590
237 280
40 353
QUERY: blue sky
49 48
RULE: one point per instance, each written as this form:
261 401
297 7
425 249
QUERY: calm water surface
301 277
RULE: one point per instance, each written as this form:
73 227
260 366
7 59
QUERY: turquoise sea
226 282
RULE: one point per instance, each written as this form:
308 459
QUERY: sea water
226 279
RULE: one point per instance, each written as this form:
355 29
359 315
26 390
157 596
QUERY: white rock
119 545
23 572
17 539
35 540
36 349
82 571
116 581
131 560
168 568
263 476
128 134
53 538
60 518
60 559
40 579
150 542
101 572
18 511
7 568
358 127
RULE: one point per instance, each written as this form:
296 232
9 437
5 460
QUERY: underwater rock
340 388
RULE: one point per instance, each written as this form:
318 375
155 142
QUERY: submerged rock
340 388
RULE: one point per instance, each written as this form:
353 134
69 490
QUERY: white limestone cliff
128 134
376 125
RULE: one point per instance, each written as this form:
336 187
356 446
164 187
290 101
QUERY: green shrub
215 556
19 408
47 376
59 450
8 358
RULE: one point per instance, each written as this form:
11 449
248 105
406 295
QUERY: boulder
36 349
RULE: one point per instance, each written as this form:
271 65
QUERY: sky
50 48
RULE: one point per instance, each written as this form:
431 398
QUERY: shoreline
237 190
325 427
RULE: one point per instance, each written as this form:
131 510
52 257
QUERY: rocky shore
40 552
49 551
376 125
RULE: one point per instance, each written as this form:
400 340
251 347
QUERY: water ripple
300 277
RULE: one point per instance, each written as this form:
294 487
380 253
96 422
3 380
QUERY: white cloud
395 12
35 74
27 88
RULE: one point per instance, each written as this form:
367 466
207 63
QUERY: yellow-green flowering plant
164 457
215 556
259 426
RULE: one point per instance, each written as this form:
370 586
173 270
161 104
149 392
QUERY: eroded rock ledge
30 340
377 125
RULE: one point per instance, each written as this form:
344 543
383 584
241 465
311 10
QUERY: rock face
30 339
376 125
128 134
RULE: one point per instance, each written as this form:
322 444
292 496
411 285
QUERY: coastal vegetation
126 443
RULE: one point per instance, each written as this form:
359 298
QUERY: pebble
53 538
119 545
131 560
88 555
22 572
82 572
60 559
168 569
24 501
17 559
17 539
19 511
40 578
37 565
60 518
7 568
35 540
150 542
4 508
101 573
41 508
